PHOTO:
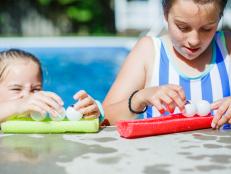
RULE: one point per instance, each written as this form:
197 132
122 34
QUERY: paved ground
105 152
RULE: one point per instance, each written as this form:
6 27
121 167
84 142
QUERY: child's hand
41 102
165 98
223 114
86 105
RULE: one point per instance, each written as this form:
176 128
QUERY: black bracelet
130 105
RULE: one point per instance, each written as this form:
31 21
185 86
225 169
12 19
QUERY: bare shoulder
228 40
144 50
146 40
145 44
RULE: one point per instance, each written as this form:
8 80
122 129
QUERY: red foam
162 125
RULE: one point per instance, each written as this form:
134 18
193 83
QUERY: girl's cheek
14 96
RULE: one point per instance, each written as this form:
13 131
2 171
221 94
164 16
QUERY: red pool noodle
162 125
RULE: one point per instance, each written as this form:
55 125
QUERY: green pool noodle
27 125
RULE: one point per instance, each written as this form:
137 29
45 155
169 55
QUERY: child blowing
21 92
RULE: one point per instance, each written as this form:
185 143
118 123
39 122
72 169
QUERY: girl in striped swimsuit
191 62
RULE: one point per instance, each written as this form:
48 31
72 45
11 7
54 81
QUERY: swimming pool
71 64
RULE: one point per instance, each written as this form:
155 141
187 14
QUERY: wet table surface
194 152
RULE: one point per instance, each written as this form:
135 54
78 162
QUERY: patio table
194 152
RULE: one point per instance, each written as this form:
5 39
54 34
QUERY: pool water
69 69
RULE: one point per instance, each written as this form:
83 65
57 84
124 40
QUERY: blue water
67 70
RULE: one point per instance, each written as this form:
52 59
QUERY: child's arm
133 76
41 102
86 105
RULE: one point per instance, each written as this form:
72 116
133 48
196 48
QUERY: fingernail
162 111
213 125
171 110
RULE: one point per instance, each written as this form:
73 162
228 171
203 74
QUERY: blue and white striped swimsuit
213 84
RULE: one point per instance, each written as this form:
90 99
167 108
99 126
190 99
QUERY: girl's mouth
192 50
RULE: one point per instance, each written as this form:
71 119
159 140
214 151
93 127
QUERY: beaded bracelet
130 107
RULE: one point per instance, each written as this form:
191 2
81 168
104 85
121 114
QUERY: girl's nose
25 92
194 39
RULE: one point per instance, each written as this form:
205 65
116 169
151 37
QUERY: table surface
194 152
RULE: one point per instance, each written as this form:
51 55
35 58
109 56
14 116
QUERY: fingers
84 102
37 109
91 111
86 105
92 115
80 95
157 104
223 113
49 99
179 90
55 97
169 97
215 105
168 102
177 99
43 102
40 106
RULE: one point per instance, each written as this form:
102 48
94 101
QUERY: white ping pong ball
203 108
190 110
72 114
59 115
36 116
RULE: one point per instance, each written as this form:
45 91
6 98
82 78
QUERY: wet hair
7 56
167 4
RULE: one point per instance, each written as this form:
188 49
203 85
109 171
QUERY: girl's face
192 26
20 79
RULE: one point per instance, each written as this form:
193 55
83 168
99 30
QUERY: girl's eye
16 89
36 90
206 29
183 28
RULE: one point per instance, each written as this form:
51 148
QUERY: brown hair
17 54
167 4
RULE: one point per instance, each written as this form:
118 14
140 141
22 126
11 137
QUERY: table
194 152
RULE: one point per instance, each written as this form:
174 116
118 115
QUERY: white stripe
155 74
196 92
216 83
173 77
145 115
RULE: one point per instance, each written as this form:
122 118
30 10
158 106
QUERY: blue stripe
185 84
164 67
164 70
206 87
149 112
223 72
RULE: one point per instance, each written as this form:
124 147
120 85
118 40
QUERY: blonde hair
7 56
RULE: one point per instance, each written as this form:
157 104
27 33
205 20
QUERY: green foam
26 125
